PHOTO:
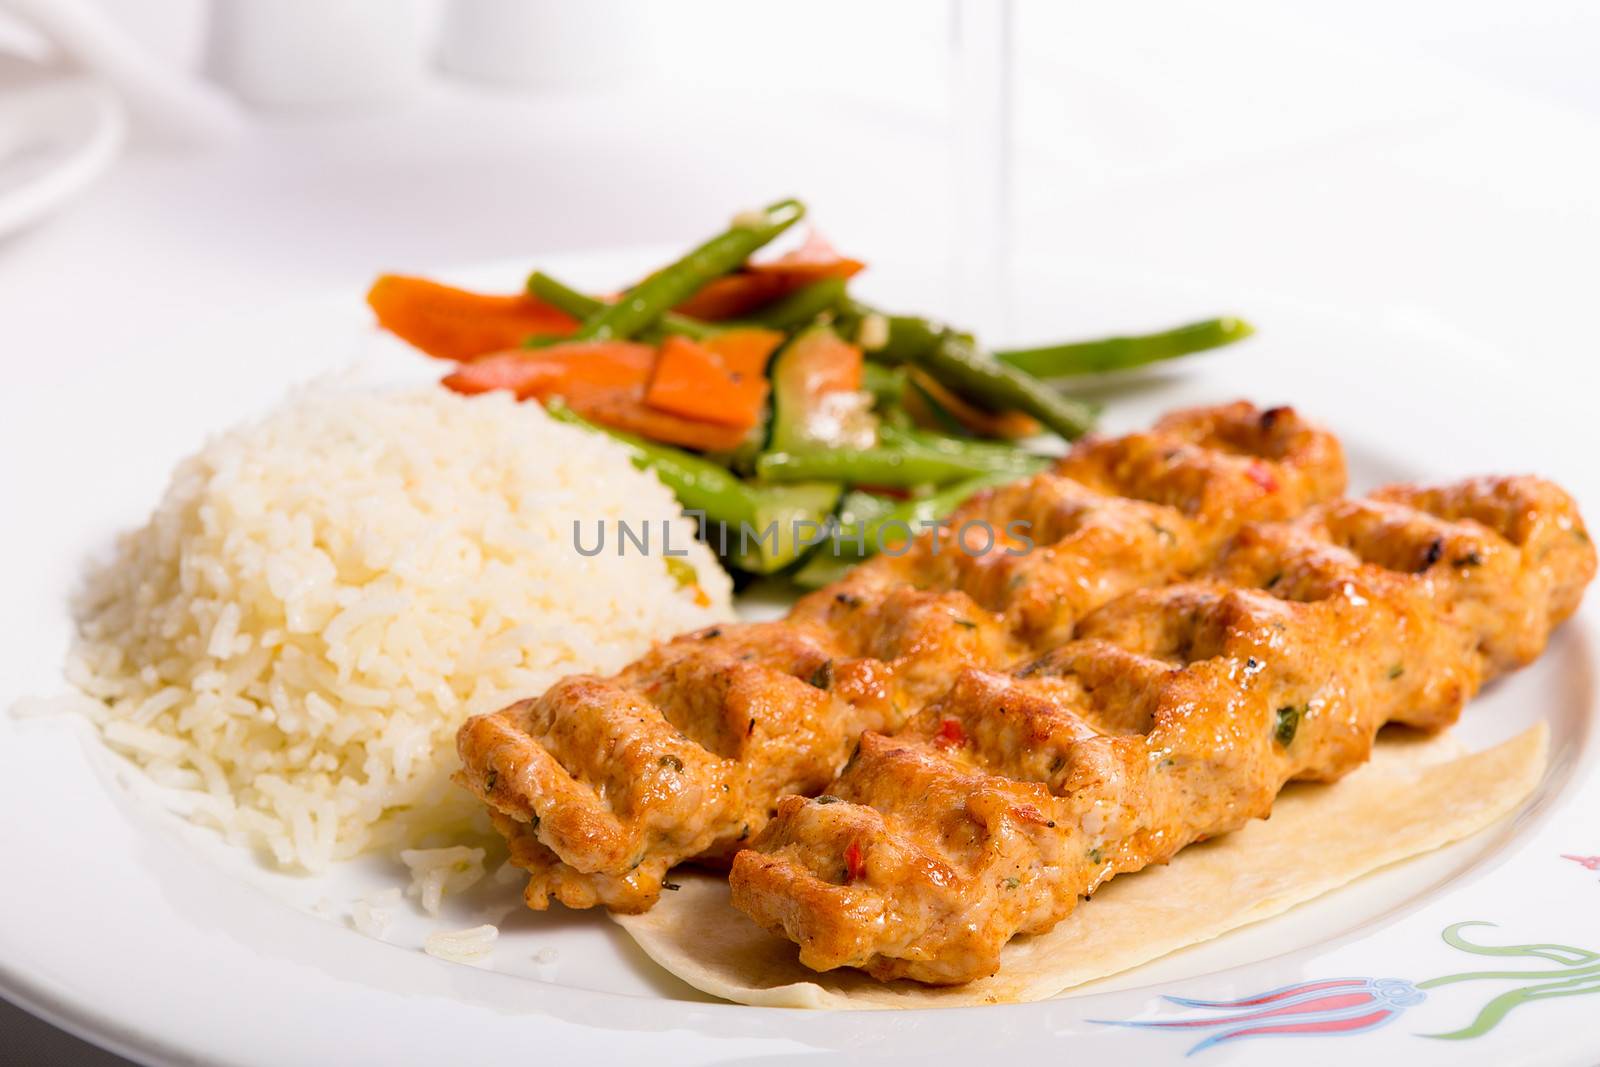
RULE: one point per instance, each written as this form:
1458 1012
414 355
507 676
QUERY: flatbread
1413 797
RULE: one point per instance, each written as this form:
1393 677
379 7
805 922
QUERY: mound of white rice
323 596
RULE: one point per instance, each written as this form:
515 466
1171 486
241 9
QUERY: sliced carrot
736 294
544 372
604 381
456 324
921 388
745 351
758 284
691 380
625 409
816 258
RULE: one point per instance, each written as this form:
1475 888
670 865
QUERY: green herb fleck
1012 883
1094 855
1471 559
490 779
1396 671
968 623
1038 666
682 571
828 798
1288 723
670 761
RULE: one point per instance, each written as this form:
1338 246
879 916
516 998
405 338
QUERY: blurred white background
1429 162
1433 161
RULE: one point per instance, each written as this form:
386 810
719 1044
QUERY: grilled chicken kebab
601 785
1173 714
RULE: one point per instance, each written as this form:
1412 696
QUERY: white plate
58 132
144 934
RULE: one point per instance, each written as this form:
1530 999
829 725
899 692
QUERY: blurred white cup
318 52
542 43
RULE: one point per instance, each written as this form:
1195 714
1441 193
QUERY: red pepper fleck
950 733
896 492
1029 813
853 863
1259 474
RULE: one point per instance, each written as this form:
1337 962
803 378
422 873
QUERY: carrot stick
542 372
453 323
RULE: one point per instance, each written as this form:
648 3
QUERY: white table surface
1254 155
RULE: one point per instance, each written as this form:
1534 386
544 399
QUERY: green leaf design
1580 974
1501 1006
1562 954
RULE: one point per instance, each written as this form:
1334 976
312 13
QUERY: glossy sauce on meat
1173 714
601 785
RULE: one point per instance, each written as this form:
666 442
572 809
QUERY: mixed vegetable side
765 395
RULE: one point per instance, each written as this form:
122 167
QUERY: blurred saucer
58 133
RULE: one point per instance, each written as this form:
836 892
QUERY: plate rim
39 995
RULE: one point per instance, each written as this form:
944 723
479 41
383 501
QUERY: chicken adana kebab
1174 714
601 785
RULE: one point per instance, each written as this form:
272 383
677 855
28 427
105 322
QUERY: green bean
877 524
562 296
996 451
797 309
934 408
772 513
934 506
581 306
823 567
909 335
859 506
1117 353
894 415
958 362
889 467
698 484
786 313
678 281
884 383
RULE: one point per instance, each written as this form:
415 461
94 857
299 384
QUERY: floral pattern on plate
1337 1007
